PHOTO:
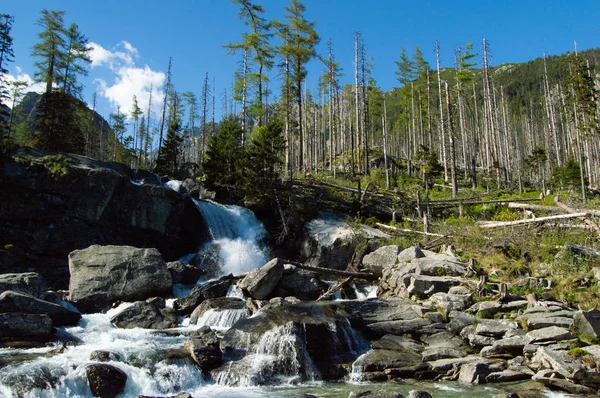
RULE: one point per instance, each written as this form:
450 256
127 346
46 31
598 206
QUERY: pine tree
6 55
168 157
76 60
300 49
50 51
224 156
264 159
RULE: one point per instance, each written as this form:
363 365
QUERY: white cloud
129 79
31 84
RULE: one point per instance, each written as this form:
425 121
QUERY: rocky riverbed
265 328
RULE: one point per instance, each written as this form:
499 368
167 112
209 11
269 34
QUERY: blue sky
133 39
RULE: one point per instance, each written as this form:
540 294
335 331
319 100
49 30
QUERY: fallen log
526 206
328 271
335 288
411 231
497 224
585 218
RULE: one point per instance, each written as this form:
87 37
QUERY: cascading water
237 235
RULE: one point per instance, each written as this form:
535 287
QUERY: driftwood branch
409 231
329 271
335 288
497 224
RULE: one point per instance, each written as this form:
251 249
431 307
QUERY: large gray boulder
96 202
106 381
145 315
29 283
101 275
19 302
204 349
19 325
330 242
587 322
383 257
260 282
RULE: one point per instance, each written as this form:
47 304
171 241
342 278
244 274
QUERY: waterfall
222 320
237 239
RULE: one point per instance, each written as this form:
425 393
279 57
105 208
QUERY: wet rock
554 381
26 326
204 348
104 356
508 375
397 343
545 335
374 394
259 283
29 283
418 394
184 273
145 315
474 373
191 187
380 360
487 309
383 257
212 289
587 322
101 275
19 302
219 303
303 285
105 381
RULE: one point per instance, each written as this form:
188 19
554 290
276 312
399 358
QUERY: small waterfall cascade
222 320
237 238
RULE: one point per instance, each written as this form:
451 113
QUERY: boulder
412 253
442 339
559 361
212 289
260 282
380 360
330 242
101 275
397 343
362 313
383 257
540 322
19 302
96 202
191 187
474 373
552 333
106 381
555 381
29 283
508 375
185 274
587 322
304 285
459 320
494 328
19 325
418 394
508 347
204 349
145 315
447 303
435 353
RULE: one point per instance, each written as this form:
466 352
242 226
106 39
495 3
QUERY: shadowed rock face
44 218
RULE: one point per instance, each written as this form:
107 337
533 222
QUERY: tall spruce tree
6 54
299 49
76 60
225 154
